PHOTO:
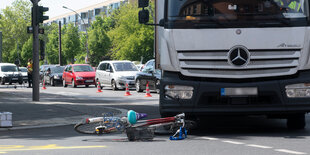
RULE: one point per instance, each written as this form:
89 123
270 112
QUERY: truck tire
296 121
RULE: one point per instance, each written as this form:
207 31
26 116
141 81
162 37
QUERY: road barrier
147 94
127 93
99 87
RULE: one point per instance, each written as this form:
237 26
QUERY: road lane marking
289 151
232 142
259 146
209 138
11 146
49 147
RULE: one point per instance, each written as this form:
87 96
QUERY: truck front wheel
296 121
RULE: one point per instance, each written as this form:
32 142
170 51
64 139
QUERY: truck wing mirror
144 16
143 3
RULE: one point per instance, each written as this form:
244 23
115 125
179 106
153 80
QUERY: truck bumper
207 98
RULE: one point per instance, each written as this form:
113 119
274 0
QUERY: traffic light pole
35 53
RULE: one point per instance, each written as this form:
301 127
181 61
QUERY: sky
55 6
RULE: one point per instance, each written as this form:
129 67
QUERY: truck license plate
246 91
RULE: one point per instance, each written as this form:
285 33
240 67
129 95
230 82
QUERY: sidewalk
28 114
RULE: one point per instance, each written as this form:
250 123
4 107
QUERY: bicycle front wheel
86 128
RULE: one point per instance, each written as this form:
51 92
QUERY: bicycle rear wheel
86 128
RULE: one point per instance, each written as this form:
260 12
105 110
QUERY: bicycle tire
86 128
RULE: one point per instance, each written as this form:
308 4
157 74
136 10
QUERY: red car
78 74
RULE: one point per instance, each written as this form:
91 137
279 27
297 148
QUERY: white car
10 74
24 72
116 74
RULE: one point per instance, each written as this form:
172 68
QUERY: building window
83 15
97 12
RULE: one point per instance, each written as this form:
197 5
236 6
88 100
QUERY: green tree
13 23
98 41
52 44
71 43
26 51
131 40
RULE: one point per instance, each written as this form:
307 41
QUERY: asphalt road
215 136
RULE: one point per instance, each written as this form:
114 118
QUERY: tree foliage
51 50
26 51
131 40
98 41
71 43
13 23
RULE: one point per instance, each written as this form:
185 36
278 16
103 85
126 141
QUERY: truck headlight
179 92
298 90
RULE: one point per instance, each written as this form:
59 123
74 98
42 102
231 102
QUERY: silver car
116 74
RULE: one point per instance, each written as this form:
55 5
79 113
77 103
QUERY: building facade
83 17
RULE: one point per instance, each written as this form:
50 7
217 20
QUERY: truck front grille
263 63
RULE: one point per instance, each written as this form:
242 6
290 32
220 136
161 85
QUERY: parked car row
109 73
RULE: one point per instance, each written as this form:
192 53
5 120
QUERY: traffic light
38 14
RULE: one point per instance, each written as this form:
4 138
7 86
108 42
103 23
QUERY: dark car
43 68
148 75
53 75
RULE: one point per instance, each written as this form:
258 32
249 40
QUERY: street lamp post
86 42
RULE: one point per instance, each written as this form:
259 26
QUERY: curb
56 122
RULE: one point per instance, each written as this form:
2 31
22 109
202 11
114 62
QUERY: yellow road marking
46 147
11 146
2 152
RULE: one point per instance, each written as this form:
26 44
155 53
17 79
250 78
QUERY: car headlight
6 75
298 90
79 78
56 77
179 91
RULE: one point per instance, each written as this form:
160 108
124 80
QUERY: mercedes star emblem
239 56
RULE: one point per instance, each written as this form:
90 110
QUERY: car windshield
58 69
124 66
82 68
9 69
232 13
23 69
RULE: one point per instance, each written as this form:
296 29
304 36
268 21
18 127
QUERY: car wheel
296 122
20 82
113 85
156 86
2 81
73 84
64 83
52 82
86 86
138 86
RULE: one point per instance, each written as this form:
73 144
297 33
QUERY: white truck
233 57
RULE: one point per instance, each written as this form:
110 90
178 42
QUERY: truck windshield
236 13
